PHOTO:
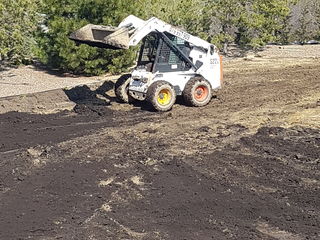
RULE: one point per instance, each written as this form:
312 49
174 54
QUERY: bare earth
32 79
244 167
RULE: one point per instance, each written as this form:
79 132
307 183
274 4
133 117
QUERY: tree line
39 29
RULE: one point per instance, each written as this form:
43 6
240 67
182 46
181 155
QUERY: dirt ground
36 78
244 167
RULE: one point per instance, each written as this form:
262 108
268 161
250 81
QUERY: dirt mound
22 129
92 109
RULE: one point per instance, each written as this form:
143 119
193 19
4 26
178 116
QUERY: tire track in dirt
226 171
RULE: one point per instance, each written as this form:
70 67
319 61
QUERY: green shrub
18 21
64 17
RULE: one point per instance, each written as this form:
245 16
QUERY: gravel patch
30 79
291 51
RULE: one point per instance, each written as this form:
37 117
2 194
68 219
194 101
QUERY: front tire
161 96
121 89
197 92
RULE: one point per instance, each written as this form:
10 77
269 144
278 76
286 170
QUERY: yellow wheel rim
164 97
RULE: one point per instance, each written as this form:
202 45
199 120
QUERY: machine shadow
143 105
85 95
99 97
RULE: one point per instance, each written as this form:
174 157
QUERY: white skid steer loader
170 62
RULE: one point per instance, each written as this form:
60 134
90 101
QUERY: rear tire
121 89
161 96
197 92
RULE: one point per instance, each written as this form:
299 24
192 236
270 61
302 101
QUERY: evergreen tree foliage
303 32
18 21
250 23
187 14
65 16
317 19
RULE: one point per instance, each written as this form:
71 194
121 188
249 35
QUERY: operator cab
156 55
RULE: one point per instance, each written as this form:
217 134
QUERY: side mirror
211 49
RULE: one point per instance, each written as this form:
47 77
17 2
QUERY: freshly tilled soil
244 167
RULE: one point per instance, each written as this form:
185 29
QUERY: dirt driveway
244 167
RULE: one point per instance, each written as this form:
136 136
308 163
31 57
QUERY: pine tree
66 16
303 32
247 22
18 21
316 7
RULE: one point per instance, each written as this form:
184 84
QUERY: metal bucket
102 36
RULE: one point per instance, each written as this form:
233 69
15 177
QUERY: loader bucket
102 36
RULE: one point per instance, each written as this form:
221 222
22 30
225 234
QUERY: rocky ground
244 167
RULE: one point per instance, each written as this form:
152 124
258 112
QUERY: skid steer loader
170 62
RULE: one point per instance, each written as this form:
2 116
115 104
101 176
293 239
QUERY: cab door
167 60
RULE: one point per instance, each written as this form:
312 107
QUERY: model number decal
179 33
214 61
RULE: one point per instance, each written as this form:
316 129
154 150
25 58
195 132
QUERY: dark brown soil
21 130
244 167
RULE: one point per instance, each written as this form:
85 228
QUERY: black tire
161 96
121 89
197 92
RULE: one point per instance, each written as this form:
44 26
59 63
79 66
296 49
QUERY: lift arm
143 28
130 32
